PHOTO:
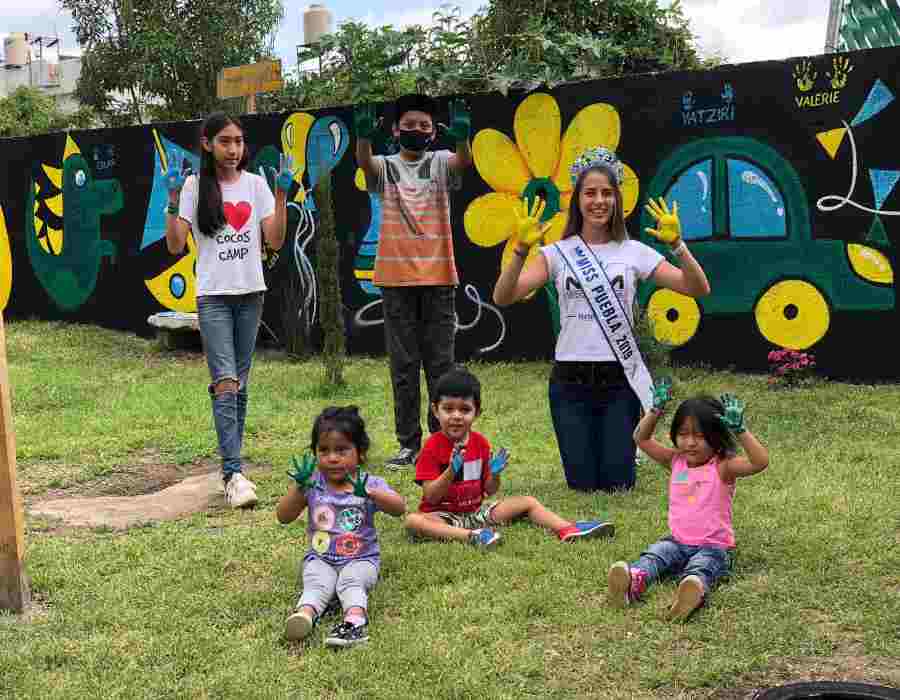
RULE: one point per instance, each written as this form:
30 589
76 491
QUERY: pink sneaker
625 584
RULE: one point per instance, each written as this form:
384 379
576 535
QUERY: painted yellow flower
537 164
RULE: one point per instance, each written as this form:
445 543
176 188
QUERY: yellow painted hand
669 227
841 73
805 75
529 229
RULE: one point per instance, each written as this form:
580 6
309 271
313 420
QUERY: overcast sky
737 30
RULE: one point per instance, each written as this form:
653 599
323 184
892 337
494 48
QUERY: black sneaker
404 459
347 634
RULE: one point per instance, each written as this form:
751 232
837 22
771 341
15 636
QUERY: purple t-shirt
341 525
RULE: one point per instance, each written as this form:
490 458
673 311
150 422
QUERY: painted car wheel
793 314
673 316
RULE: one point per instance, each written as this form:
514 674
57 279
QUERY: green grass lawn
196 608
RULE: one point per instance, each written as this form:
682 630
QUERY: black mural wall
785 173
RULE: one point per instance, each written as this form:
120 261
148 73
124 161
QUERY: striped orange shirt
415 244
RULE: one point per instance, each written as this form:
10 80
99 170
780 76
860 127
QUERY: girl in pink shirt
705 466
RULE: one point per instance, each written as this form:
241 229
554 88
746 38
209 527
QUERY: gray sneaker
404 459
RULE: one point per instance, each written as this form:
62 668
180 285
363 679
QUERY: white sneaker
240 492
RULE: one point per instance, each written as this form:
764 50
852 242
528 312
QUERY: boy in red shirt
456 469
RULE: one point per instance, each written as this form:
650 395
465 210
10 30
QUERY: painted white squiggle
751 178
705 182
471 292
306 230
842 201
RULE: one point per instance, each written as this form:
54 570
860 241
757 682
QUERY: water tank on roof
316 22
15 49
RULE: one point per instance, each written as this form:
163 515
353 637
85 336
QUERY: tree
28 111
159 59
508 44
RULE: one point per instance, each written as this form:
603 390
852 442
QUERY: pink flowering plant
790 367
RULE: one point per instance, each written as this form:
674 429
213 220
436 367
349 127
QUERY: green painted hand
733 418
359 486
364 121
662 393
303 471
284 176
529 229
460 122
669 230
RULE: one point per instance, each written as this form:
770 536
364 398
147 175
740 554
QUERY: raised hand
359 485
662 393
733 417
303 471
669 227
460 122
364 121
529 229
456 459
284 176
499 461
174 176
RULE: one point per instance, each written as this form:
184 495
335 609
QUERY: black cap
414 103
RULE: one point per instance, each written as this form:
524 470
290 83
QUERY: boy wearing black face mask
414 263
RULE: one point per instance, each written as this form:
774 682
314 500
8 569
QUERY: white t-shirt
580 337
230 262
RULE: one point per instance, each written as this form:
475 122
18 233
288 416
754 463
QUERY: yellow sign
239 81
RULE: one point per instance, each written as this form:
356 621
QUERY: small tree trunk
331 314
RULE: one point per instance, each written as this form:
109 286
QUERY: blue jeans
594 425
668 557
228 326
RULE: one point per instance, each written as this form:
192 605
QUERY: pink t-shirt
700 505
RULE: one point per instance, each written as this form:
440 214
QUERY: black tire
830 691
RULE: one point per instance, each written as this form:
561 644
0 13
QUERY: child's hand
174 176
669 230
499 461
284 176
303 472
460 122
457 459
359 486
733 418
662 394
364 122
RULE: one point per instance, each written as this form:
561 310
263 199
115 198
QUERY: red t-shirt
467 489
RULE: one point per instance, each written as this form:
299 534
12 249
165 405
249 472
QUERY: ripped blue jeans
228 326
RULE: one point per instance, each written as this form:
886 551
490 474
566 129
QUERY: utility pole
835 15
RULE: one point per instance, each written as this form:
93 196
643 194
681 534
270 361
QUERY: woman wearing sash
599 383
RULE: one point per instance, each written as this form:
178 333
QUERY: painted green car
745 215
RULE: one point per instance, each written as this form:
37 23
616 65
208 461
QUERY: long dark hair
576 220
210 213
703 409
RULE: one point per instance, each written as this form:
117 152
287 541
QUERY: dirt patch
845 666
134 494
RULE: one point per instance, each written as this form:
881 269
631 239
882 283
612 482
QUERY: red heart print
237 214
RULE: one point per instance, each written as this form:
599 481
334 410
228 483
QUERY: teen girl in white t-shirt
229 210
594 409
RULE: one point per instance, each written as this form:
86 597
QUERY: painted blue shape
325 146
879 97
883 182
755 204
155 223
368 247
177 286
692 190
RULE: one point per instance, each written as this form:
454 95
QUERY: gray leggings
352 583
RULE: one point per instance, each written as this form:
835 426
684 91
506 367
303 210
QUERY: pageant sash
610 316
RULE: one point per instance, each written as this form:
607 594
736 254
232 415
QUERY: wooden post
251 103
15 593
